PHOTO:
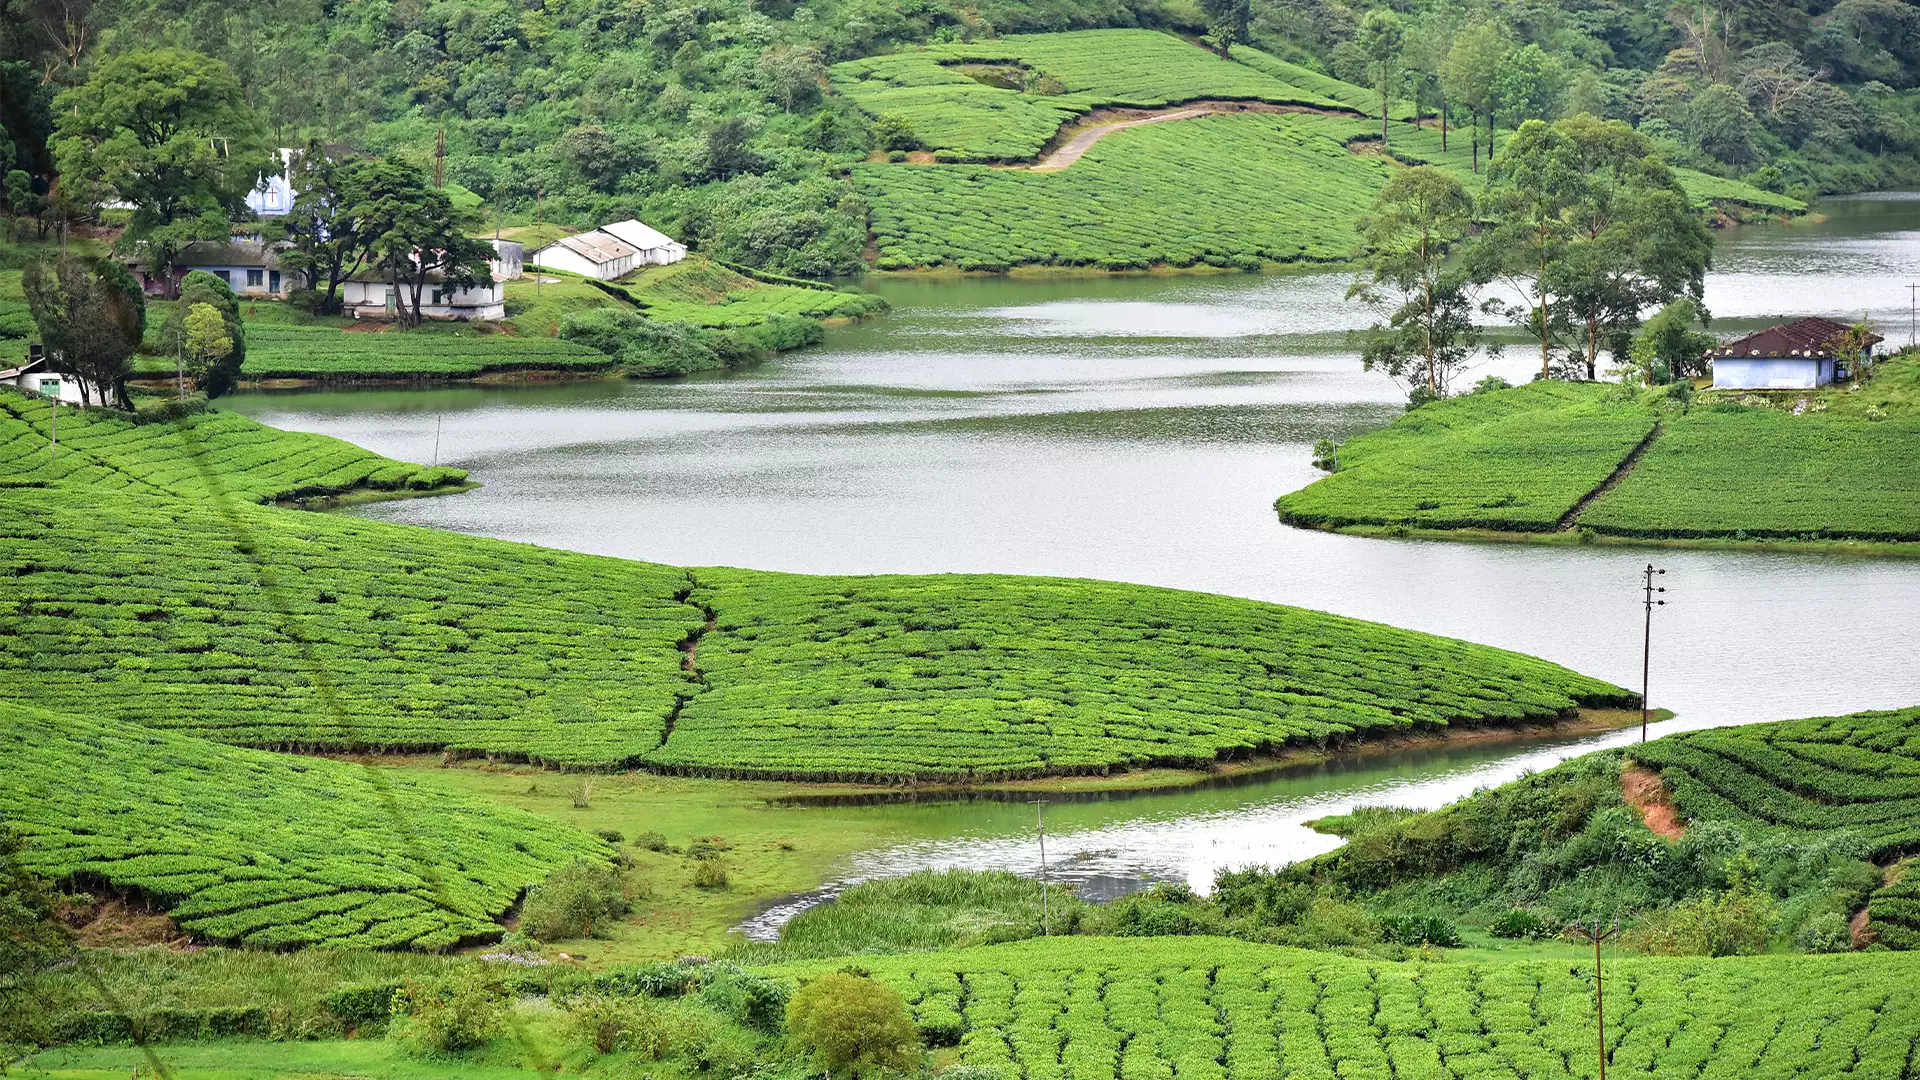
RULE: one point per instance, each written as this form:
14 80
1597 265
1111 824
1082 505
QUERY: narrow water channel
1139 429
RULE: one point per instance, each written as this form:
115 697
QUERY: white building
37 377
369 296
590 254
507 259
1797 356
655 247
273 196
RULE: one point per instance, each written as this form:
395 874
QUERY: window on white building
255 278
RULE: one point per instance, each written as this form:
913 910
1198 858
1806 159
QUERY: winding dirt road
1101 123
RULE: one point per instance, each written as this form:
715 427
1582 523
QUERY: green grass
1515 459
325 352
1518 460
704 293
974 122
1231 189
211 453
1090 1009
1364 100
272 851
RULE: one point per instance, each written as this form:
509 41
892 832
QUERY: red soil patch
1647 793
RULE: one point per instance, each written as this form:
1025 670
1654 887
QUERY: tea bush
207 453
296 351
259 849
1095 1009
947 110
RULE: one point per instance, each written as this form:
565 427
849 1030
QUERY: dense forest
714 119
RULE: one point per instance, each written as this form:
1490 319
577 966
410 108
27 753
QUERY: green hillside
939 90
1523 459
264 849
1093 1009
211 453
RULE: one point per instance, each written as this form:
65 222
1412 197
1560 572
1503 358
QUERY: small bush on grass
578 899
1826 932
1736 922
1520 924
709 873
652 840
849 1021
609 1023
462 1013
1420 930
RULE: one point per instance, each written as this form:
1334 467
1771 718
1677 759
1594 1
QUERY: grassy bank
1577 462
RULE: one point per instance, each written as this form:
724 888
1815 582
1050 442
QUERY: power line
1596 935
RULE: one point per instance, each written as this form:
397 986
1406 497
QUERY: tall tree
170 132
1529 86
1227 22
1533 183
1634 241
1467 75
91 316
1381 38
1429 331
418 237
201 289
329 244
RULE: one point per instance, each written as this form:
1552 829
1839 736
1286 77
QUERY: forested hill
718 122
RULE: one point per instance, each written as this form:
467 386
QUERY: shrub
844 1020
651 840
1521 924
462 1013
578 898
610 1023
611 836
709 873
745 998
1735 922
1420 930
1826 932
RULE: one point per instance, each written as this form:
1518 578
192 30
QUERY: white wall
69 385
1769 373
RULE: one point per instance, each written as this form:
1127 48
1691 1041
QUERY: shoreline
1867 549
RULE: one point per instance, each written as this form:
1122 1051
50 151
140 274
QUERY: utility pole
1646 645
1046 916
436 439
1596 935
1913 311
440 158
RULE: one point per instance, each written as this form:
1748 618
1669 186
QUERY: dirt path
1647 793
1100 123
1572 517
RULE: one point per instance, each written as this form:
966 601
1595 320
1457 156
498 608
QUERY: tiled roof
1813 337
596 247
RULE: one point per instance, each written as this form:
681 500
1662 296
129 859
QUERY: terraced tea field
271 628
968 120
211 453
1858 773
292 351
1118 1009
1236 189
704 293
267 850
276 628
957 676
1520 460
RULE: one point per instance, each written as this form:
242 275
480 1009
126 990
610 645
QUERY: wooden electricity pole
1646 646
1596 935
1046 918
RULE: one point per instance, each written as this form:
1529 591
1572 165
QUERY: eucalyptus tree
1533 186
1427 330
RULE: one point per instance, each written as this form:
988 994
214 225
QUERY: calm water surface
1139 430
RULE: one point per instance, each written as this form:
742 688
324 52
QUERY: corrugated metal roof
1812 337
638 233
596 247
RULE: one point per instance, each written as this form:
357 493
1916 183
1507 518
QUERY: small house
37 376
1796 356
655 247
371 295
250 267
590 254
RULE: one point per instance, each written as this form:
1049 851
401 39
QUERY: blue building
1797 356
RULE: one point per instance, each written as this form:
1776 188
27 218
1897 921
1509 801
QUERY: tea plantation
292 351
958 676
1122 1008
970 120
210 453
1767 473
269 627
1519 460
704 293
1515 459
262 849
1858 773
1236 189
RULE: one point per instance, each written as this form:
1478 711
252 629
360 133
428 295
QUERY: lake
1139 429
